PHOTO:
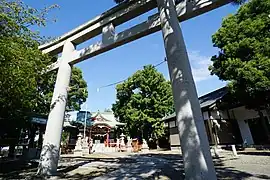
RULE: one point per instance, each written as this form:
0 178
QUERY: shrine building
105 128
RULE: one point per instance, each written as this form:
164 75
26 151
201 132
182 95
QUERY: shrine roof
107 118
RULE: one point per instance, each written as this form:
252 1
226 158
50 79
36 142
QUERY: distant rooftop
207 99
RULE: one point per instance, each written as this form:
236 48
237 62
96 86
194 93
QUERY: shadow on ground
255 153
136 166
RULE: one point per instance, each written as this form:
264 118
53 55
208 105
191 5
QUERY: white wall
245 132
241 114
205 115
174 140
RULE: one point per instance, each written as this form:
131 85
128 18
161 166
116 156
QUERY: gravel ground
151 165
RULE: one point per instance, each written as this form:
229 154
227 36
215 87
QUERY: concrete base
78 153
178 148
145 147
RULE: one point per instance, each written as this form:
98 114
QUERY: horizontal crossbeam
117 15
185 10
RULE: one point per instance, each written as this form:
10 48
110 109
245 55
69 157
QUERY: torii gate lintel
185 10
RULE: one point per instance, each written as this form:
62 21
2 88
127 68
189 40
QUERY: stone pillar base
145 147
85 147
176 148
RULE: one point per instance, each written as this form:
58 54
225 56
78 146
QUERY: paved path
153 165
169 165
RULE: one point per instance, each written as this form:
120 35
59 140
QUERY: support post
107 138
197 158
234 151
108 34
51 144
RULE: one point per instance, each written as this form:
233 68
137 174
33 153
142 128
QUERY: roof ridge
207 94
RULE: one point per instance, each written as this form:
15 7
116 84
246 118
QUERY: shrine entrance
100 134
105 131
194 144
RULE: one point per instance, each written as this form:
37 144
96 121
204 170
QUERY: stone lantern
122 142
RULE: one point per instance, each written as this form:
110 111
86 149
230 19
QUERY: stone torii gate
197 158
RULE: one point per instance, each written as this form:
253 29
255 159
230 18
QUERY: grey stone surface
185 10
153 165
51 143
198 162
169 165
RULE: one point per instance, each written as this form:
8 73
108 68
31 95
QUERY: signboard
39 120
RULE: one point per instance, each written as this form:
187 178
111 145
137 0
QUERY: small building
101 127
105 128
226 122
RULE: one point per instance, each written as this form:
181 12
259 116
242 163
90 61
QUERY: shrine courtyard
250 164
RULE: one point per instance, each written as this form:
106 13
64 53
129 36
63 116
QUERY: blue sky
122 62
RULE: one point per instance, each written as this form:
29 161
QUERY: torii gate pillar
197 158
51 144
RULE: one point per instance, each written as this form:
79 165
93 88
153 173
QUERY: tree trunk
11 150
40 139
12 145
32 137
267 109
265 128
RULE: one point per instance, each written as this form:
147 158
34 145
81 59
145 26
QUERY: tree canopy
24 88
122 1
21 61
244 53
77 94
142 101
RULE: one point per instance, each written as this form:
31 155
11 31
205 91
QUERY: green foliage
78 90
23 87
65 138
142 101
244 56
16 18
177 1
21 64
76 96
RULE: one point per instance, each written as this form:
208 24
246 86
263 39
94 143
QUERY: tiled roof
206 100
107 118
212 97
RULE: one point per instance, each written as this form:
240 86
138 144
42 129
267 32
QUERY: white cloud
199 66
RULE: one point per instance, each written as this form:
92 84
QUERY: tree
234 1
24 88
76 96
142 101
21 64
244 54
